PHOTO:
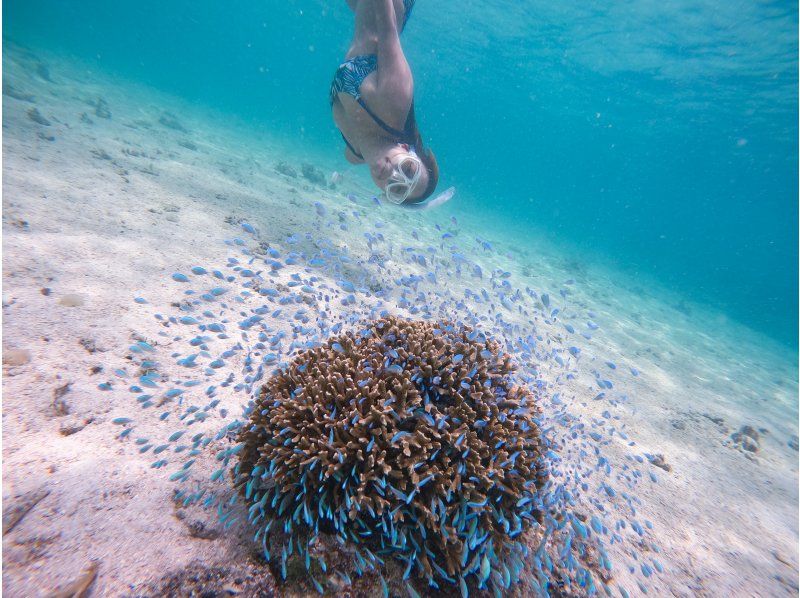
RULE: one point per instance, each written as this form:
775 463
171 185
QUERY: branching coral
407 440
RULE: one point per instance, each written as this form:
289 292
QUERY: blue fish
347 286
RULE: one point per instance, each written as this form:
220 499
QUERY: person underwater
372 99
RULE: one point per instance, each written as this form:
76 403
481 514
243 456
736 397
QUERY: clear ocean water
181 229
660 138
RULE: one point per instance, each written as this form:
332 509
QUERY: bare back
389 90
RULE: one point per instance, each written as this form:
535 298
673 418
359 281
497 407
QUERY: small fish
121 421
463 587
579 528
485 569
347 286
659 567
178 277
147 381
596 525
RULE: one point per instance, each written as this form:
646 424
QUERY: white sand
109 230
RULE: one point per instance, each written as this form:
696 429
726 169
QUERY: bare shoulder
392 87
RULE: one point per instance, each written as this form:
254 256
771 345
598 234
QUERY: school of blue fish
245 319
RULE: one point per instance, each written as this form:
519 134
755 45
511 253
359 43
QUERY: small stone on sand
16 356
37 117
746 439
171 121
60 406
658 461
71 300
101 109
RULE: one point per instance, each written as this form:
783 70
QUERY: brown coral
407 439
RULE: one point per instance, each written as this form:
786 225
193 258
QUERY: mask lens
409 168
397 192
403 179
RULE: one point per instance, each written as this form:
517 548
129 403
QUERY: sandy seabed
110 187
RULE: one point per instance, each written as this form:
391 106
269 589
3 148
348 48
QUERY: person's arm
351 157
394 74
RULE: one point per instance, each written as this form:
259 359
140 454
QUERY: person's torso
355 123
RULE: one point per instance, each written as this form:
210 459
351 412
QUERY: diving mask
404 178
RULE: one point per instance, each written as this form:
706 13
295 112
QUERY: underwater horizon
232 367
659 140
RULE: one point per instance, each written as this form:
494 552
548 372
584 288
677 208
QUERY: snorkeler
372 98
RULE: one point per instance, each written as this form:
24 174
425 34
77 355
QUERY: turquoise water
625 227
660 138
